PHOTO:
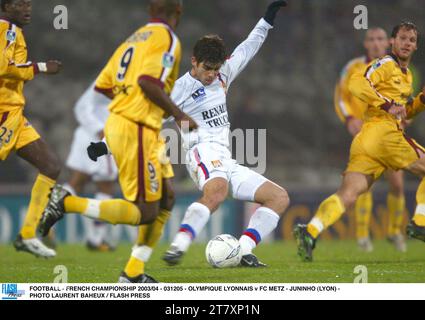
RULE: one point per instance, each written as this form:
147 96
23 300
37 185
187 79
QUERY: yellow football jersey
14 67
152 52
385 82
347 105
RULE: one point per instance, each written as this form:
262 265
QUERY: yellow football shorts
380 146
136 152
15 132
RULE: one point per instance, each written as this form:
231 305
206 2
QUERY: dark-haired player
386 86
16 133
202 94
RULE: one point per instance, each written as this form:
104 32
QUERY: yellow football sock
114 211
328 213
149 235
396 207
363 213
39 199
134 267
419 217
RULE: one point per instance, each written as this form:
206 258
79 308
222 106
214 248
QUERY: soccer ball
224 251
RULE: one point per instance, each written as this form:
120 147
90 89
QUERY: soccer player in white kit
202 94
91 112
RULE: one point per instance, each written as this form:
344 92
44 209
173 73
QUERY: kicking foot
251 261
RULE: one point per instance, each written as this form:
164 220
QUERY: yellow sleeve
364 85
342 97
105 80
8 69
161 59
416 106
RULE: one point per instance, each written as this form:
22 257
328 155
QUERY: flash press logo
10 291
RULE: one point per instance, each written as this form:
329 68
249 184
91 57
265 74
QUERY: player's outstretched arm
246 51
158 96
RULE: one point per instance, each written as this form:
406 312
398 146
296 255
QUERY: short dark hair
211 49
4 3
408 25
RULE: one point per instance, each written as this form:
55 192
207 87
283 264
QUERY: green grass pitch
334 263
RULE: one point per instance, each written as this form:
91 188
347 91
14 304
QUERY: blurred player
16 133
91 112
139 78
202 93
351 111
386 86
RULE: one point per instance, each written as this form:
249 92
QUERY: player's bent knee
149 212
279 201
348 198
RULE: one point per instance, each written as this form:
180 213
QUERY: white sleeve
246 51
91 111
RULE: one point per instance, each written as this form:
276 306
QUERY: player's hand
405 123
97 150
272 11
398 111
354 126
53 66
185 122
423 91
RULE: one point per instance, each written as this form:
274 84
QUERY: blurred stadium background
288 90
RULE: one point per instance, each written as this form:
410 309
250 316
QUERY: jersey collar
392 55
157 20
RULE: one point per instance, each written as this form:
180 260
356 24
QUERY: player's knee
349 198
149 212
279 200
213 201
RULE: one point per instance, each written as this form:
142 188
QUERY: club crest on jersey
199 94
11 36
167 60
216 164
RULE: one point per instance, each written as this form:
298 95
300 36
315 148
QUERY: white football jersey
207 104
91 110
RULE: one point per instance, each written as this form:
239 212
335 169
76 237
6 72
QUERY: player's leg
139 176
196 217
396 204
353 185
416 228
150 235
274 201
363 214
97 237
44 159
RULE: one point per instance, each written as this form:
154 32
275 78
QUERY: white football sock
99 230
195 219
262 223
